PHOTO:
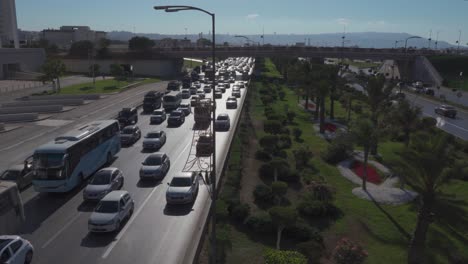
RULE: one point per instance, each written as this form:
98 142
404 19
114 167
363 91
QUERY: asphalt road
57 223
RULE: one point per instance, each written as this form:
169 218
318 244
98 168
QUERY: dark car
129 135
446 110
429 91
176 118
22 175
231 102
127 116
205 145
218 94
173 86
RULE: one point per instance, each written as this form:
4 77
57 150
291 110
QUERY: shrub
263 193
221 210
292 176
312 250
260 223
240 212
233 178
285 131
297 133
302 155
321 191
281 95
267 170
291 115
349 252
281 154
279 189
264 91
262 155
309 206
301 232
272 126
269 142
285 142
339 150
223 240
427 122
357 108
274 256
266 99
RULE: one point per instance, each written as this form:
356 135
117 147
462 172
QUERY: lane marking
135 215
61 230
443 122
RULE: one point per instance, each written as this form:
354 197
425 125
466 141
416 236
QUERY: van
172 100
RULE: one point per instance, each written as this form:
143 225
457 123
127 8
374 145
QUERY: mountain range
359 39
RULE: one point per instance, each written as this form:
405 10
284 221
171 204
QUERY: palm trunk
307 100
349 111
275 174
322 115
278 236
374 147
332 107
364 177
58 84
317 103
416 248
407 137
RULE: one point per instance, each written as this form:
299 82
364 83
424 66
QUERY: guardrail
67 102
57 97
11 118
31 109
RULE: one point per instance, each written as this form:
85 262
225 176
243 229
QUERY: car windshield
158 112
176 113
4 242
153 135
181 182
10 175
101 178
125 113
49 160
127 130
153 161
107 207
223 117
184 106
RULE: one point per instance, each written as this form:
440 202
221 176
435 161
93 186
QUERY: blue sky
416 17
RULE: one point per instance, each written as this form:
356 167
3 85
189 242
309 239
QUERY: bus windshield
48 160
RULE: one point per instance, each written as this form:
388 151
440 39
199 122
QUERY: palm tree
378 94
365 135
331 72
406 117
322 91
423 166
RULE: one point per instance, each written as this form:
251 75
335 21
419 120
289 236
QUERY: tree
364 133
282 217
331 71
81 48
278 165
53 69
279 189
301 73
140 44
272 256
323 90
103 50
424 167
94 70
116 70
302 155
406 117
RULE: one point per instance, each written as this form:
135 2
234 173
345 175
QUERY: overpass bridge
294 51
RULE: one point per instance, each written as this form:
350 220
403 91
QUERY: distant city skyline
415 17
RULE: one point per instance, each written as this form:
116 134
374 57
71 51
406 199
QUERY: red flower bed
372 175
330 127
311 106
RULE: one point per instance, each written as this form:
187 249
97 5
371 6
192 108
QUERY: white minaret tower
8 23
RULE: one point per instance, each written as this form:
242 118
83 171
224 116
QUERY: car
129 135
193 90
155 166
204 145
231 102
197 84
22 174
111 212
201 94
222 122
158 116
226 85
194 101
429 91
221 88
176 118
127 116
399 96
446 110
103 182
185 107
183 188
15 250
232 80
236 92
207 89
218 94
186 93
154 140
241 85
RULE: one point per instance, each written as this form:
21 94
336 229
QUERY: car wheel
29 257
117 226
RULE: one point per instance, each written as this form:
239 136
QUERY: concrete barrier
11 118
60 97
71 102
31 109
2 126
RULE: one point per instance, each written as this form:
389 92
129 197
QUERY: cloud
252 16
343 21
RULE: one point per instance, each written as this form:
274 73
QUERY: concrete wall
425 71
161 68
28 59
11 118
31 109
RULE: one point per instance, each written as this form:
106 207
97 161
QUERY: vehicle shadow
87 206
148 183
98 240
178 210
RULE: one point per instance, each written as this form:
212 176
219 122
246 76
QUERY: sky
417 17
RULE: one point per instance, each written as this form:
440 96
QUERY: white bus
172 100
61 165
11 208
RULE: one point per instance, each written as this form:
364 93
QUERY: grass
270 70
450 67
101 86
362 221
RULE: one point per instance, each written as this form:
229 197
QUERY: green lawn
101 86
362 221
270 70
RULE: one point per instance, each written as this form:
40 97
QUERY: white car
154 140
102 183
155 166
15 250
111 211
183 188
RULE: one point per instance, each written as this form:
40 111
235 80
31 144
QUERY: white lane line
29 139
135 215
443 122
61 230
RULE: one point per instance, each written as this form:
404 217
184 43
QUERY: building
8 23
66 35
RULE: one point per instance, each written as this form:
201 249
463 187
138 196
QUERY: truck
186 81
127 116
152 101
202 111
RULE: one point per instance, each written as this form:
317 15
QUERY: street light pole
213 167
396 42
458 42
406 41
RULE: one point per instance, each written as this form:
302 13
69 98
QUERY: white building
8 23
66 35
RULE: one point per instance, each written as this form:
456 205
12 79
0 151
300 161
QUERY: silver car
236 92
15 250
158 116
154 140
183 188
185 107
102 183
111 211
155 166
231 102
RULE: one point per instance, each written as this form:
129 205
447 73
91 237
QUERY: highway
57 223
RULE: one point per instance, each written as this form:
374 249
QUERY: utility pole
430 38
437 40
458 42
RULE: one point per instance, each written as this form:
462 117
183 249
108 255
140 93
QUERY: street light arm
177 8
